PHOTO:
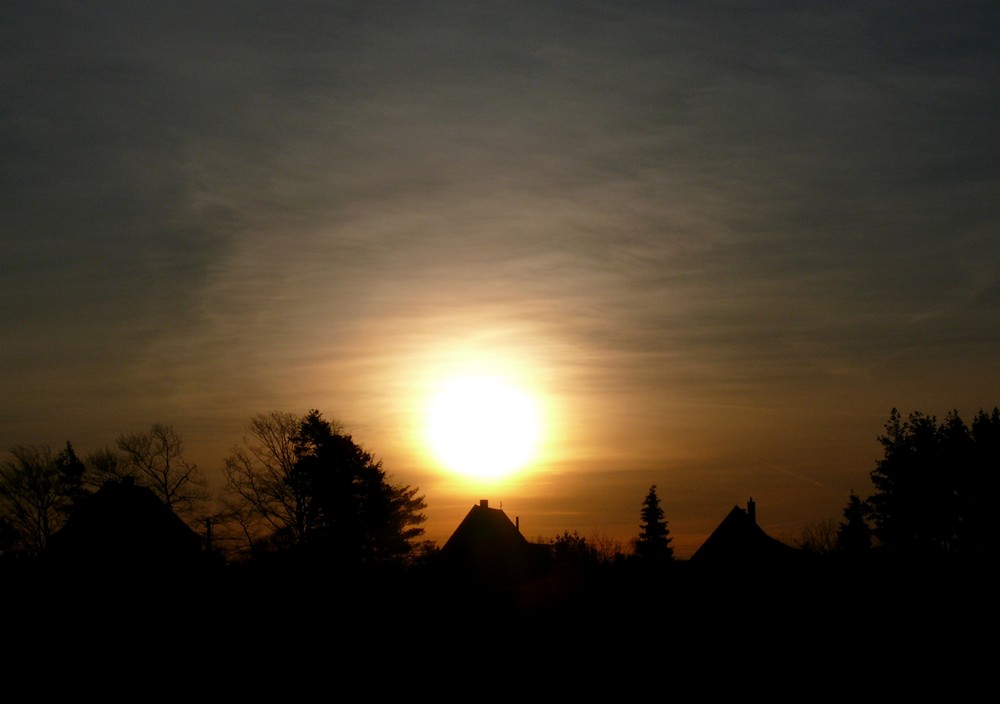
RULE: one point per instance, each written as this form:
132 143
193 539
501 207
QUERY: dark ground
885 629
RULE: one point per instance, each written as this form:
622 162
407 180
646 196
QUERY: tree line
294 485
934 495
301 487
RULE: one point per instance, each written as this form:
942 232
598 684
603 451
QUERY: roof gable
739 538
486 543
122 524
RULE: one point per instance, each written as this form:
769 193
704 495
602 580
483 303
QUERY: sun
483 427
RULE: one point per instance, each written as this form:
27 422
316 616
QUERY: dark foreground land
894 627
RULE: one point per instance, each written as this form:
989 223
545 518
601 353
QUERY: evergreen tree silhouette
654 540
854 535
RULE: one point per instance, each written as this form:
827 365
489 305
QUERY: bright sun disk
483 427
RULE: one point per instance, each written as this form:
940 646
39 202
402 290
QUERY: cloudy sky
719 241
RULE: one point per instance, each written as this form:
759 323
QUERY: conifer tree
854 536
654 540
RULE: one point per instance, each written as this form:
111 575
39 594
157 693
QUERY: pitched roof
739 538
488 544
125 525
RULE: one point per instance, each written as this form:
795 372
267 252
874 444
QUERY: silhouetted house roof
124 526
739 539
486 544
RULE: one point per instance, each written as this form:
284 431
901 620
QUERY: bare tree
104 465
37 491
156 460
608 549
260 494
818 537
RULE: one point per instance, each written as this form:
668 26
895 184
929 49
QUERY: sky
717 242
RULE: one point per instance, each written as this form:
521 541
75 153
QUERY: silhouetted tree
104 465
854 535
37 493
818 537
935 487
573 547
978 490
261 495
155 459
654 540
72 471
608 549
303 483
8 539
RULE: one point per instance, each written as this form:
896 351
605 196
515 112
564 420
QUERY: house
738 539
488 546
123 526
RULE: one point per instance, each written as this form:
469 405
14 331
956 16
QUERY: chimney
517 523
484 503
752 510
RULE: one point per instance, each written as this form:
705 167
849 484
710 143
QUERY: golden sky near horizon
716 246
